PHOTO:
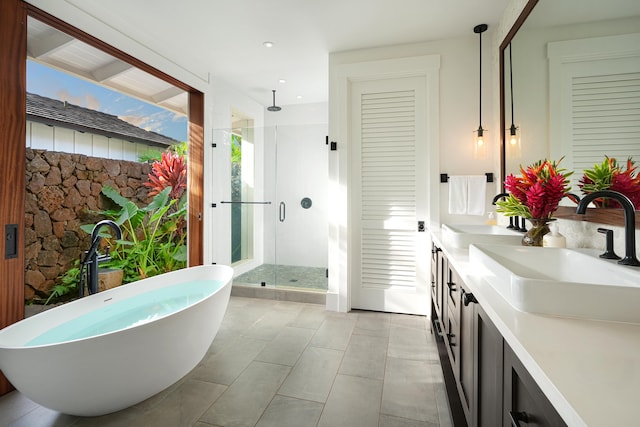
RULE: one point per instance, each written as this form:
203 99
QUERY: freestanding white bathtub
113 349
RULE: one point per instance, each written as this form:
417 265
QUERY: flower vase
539 227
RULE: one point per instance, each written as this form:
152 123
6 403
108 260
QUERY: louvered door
594 101
389 195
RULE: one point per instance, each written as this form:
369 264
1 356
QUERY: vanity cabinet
486 384
524 402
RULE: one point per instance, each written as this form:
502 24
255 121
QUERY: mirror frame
598 215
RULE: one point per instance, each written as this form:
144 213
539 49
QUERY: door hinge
213 205
334 146
214 145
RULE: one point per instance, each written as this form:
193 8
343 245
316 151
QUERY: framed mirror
547 63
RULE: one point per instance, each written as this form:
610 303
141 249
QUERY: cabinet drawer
524 403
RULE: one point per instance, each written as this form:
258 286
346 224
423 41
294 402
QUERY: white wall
53 138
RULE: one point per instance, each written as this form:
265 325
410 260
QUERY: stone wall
63 193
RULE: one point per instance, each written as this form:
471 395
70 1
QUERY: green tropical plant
151 155
154 238
68 283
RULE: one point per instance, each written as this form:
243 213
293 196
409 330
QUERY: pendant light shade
513 132
480 135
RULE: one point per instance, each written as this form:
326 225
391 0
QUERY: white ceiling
225 37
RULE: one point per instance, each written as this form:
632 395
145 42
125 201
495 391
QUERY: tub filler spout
93 257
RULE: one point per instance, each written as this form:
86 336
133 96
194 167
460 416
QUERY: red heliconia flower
171 171
610 175
537 192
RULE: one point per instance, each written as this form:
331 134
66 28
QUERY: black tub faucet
92 259
629 222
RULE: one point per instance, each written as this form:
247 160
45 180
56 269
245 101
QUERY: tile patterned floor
285 276
277 363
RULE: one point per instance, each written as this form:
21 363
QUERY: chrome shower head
274 107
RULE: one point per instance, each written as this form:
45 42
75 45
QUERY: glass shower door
300 207
291 227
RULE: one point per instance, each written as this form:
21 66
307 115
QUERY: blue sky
55 84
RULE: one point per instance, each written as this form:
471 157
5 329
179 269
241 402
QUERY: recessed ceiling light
267 44
282 81
299 97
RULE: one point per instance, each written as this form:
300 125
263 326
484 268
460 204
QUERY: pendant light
514 132
274 107
480 135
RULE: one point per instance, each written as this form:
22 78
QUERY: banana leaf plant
153 237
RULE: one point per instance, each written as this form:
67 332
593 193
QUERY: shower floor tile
285 276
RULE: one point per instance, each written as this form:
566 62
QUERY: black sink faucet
514 222
629 221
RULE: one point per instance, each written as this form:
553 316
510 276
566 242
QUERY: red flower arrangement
170 170
610 175
537 193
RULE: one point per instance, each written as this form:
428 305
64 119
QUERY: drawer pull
468 298
516 417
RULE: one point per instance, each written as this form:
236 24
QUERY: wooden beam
196 177
13 105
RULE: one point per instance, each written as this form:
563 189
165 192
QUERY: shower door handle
282 211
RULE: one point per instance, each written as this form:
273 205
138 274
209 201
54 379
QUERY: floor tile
271 324
408 391
43 417
353 402
313 375
407 342
279 363
245 400
310 317
289 412
372 323
184 405
224 367
365 356
287 347
334 332
389 421
13 406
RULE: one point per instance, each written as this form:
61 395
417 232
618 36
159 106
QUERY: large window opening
98 123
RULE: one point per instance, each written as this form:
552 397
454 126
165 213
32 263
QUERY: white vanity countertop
589 370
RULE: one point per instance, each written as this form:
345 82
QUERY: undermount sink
561 282
461 236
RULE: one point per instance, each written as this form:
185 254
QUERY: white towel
476 194
458 194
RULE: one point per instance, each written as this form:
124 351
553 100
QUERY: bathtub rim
97 300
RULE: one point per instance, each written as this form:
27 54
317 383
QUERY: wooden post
13 66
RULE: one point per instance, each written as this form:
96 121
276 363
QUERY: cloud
138 121
87 100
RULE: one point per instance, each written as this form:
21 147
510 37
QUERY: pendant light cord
511 83
480 105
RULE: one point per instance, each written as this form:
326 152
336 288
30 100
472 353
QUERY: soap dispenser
491 219
554 239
